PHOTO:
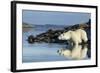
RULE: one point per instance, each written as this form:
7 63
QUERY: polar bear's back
76 35
81 34
78 31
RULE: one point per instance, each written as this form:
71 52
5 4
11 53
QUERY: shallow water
40 52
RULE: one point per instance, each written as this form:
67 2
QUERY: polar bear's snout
64 52
60 37
65 36
60 52
57 51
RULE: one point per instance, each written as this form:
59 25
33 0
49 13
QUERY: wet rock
51 36
31 39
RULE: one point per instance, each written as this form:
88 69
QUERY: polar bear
78 52
76 36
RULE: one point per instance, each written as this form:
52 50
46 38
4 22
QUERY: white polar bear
76 36
76 53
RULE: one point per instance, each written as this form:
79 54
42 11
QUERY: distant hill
79 26
26 25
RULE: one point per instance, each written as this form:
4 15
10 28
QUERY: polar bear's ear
69 32
63 34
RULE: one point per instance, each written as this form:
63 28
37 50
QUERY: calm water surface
40 52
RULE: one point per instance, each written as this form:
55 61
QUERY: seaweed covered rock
51 36
31 39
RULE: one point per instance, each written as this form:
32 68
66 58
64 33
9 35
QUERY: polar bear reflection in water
77 52
76 37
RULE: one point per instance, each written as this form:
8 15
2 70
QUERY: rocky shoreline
51 36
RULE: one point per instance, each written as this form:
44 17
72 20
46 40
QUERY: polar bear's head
65 36
66 53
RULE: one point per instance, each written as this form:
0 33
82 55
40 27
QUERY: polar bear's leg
75 42
76 52
84 53
84 36
75 38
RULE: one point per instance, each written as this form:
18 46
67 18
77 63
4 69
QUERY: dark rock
31 39
51 36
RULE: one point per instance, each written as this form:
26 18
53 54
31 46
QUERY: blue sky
57 18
